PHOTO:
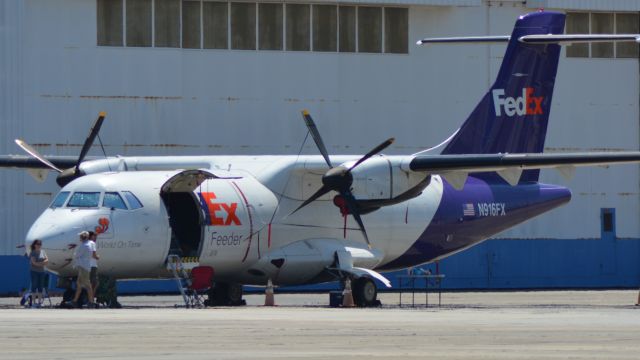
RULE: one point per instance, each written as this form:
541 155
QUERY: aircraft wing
510 166
28 162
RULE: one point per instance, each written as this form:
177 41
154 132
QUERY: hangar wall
162 101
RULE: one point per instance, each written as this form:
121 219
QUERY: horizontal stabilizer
566 39
445 164
541 39
465 40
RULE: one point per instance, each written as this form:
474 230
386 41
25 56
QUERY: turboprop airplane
309 219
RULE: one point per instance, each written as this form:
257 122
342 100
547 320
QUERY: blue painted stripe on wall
494 264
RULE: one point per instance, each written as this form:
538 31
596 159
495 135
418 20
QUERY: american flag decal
468 210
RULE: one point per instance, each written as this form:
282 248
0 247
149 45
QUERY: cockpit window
113 200
84 199
60 199
134 203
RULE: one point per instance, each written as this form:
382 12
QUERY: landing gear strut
365 292
225 294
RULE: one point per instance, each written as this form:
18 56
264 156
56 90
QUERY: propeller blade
353 210
375 150
33 152
323 190
311 125
89 141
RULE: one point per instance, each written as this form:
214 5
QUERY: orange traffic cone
268 295
347 296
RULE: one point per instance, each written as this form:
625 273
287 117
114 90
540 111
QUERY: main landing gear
225 294
365 292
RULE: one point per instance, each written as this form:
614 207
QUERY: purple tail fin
512 117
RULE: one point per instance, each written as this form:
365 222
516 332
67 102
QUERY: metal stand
437 279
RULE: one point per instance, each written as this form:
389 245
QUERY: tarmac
469 325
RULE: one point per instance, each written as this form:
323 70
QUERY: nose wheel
365 292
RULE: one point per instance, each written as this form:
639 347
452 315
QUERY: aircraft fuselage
239 221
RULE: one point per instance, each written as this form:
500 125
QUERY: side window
602 23
138 22
191 24
578 23
347 31
627 23
369 29
243 26
133 201
109 22
113 200
396 30
84 200
325 28
269 26
215 22
298 27
167 23
60 199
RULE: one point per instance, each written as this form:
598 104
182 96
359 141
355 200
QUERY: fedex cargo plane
309 219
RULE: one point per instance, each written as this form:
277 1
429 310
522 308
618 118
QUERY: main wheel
365 292
234 294
225 294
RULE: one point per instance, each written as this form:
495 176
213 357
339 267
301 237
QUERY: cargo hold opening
185 213
184 220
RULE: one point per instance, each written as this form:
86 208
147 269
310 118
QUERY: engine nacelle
381 182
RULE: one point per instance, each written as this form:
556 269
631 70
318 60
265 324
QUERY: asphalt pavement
481 325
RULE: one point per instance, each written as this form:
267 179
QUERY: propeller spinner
339 178
67 175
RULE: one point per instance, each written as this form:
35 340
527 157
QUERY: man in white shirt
82 262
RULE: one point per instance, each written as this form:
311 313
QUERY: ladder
180 268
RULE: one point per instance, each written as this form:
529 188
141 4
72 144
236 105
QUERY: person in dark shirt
38 260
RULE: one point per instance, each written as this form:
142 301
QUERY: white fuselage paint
249 220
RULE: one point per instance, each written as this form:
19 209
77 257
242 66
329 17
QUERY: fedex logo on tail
527 104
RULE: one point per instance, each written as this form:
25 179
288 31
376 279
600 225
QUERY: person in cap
82 262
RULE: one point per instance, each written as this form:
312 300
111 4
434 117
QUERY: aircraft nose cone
56 242
40 231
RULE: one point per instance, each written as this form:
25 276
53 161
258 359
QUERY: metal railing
429 279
